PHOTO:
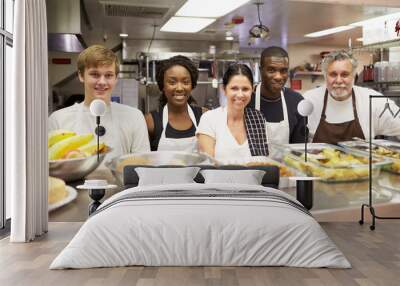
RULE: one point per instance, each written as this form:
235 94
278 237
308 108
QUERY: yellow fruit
90 148
58 135
74 154
61 148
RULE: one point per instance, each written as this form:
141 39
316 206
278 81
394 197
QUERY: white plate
71 195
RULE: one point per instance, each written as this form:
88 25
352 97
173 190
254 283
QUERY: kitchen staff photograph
124 126
173 128
277 102
341 108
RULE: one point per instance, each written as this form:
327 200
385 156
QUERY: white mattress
187 230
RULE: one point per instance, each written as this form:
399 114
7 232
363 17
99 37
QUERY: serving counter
342 201
332 201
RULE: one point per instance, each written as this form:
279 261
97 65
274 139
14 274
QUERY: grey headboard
270 179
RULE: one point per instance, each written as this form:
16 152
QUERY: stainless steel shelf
306 73
382 45
380 83
313 74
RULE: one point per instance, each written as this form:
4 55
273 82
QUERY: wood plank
374 255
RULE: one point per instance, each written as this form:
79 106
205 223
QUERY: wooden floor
374 255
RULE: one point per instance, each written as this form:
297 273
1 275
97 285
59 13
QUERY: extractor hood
64 25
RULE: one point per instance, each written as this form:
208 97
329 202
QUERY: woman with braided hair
173 128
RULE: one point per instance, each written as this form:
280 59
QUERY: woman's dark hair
237 69
179 60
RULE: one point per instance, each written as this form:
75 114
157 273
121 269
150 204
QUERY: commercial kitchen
142 193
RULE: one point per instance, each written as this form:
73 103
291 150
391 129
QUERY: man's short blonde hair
97 55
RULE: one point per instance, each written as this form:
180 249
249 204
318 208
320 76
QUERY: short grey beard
339 97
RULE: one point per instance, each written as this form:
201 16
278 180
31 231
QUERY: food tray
363 147
156 158
284 171
329 162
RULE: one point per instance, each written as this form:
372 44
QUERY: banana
58 135
74 154
90 148
59 150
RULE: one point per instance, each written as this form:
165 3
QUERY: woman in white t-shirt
234 131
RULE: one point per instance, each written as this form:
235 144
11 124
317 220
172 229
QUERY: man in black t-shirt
276 102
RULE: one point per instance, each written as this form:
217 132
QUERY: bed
201 224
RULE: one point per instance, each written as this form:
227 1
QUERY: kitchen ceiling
287 20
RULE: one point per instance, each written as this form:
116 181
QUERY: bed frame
270 179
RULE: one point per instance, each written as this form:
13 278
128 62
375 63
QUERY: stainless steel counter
342 201
332 202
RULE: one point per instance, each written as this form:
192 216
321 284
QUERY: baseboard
5 231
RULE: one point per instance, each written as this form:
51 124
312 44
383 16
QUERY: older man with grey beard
341 109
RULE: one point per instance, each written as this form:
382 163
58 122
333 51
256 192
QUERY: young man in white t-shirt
124 126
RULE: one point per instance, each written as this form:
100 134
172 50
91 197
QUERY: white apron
86 123
188 144
277 132
227 149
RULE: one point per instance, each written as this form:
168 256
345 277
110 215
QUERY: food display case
381 148
330 163
159 158
284 171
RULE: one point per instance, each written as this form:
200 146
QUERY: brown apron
335 132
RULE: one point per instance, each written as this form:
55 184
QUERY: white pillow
248 177
166 176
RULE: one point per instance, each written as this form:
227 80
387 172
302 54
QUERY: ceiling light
380 18
329 31
186 24
123 35
259 30
209 8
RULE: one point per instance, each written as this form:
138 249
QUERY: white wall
59 72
